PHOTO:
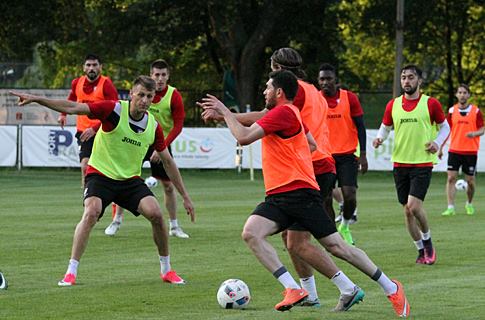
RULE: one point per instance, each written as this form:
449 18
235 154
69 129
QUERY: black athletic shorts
326 182
302 206
126 193
86 147
468 163
347 169
412 181
158 171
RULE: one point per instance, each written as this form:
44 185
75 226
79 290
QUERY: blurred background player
466 123
414 117
168 109
90 87
114 169
345 120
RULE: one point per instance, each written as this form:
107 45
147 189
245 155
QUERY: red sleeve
436 113
159 144
178 116
387 118
479 119
281 120
299 99
101 109
72 95
109 90
355 107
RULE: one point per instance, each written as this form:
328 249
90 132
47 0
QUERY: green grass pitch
119 276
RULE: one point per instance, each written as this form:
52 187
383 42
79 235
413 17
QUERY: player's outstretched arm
65 106
174 174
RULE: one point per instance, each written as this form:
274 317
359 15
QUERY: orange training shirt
83 122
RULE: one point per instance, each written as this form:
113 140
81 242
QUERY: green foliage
118 276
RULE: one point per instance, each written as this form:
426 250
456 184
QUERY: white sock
468 203
309 285
72 267
426 235
165 264
174 223
419 244
343 283
345 222
451 206
287 281
387 285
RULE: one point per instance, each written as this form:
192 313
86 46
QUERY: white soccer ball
151 182
233 294
461 184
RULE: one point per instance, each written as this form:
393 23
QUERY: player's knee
249 236
168 187
451 180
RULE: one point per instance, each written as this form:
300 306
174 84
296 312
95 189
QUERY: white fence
209 148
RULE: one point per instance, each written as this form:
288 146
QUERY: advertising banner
44 146
204 148
8 151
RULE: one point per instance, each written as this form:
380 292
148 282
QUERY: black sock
427 243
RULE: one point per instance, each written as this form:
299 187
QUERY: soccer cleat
292 297
399 301
112 228
470 209
346 301
310 303
448 212
3 282
172 277
421 259
430 255
69 280
178 232
345 233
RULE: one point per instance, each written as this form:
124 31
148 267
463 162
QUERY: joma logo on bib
131 141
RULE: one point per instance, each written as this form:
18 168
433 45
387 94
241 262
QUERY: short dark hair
285 80
92 56
414 68
464 86
159 64
146 82
289 59
327 67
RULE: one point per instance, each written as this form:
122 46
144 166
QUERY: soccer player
414 117
466 123
90 87
346 131
113 172
168 109
293 197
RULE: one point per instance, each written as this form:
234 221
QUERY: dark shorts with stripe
302 206
412 181
158 171
125 193
468 163
86 147
347 169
